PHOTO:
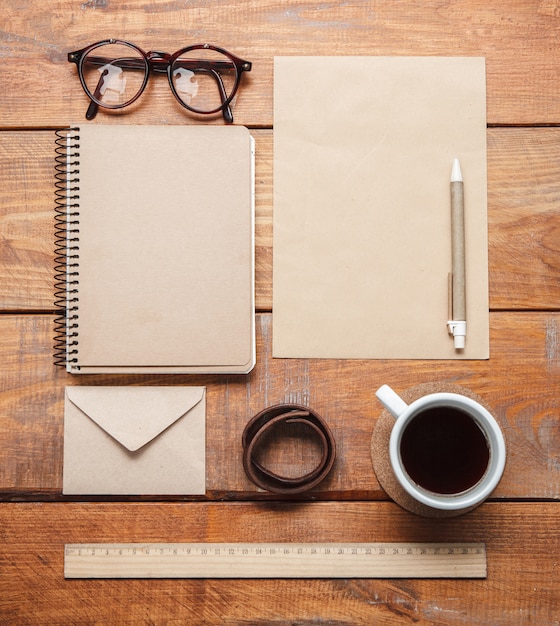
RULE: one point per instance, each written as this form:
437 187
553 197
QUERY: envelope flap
134 416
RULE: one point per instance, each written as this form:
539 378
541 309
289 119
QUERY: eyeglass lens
203 79
114 75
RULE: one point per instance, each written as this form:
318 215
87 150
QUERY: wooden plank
516 38
523 214
519 382
521 540
524 218
26 220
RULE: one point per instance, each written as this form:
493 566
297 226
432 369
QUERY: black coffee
444 450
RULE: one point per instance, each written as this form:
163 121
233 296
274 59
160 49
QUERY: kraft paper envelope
134 440
363 150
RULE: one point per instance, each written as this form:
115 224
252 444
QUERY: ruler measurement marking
274 560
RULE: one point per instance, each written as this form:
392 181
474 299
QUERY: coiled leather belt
266 420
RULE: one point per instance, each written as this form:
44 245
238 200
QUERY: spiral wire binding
67 247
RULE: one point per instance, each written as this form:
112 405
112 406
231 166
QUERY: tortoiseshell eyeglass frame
162 62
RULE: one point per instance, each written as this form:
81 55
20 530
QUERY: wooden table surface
40 92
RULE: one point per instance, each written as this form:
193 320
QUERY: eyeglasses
203 78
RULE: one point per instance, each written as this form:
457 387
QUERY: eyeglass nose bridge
158 61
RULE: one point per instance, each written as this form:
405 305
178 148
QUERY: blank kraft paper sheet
363 149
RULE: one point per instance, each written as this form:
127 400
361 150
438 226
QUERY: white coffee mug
446 450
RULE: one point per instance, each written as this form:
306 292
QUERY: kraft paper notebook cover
363 151
156 243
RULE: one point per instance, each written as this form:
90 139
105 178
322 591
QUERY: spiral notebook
155 249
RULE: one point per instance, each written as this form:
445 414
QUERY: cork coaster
380 449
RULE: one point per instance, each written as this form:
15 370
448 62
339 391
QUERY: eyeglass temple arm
93 107
226 110
160 64
92 110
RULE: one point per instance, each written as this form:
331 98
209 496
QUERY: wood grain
524 218
521 381
26 220
524 347
516 39
523 215
521 540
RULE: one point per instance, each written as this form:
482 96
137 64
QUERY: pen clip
450 296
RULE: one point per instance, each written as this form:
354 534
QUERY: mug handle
391 401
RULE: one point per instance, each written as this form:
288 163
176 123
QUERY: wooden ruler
275 560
